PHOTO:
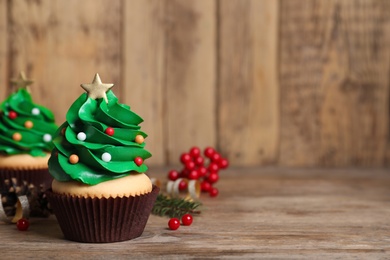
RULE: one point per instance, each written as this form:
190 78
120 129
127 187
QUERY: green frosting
90 118
14 112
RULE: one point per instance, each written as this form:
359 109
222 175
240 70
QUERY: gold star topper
21 81
97 89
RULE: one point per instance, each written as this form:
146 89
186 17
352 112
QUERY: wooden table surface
260 213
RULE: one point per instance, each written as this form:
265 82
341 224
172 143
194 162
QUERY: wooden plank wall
267 82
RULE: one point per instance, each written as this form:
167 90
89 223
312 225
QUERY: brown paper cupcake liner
37 177
102 220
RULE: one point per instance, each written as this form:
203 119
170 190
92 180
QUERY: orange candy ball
17 136
73 159
139 139
28 124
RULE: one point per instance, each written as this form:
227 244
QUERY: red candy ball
208 152
186 219
110 131
193 175
173 175
185 157
12 115
223 163
22 224
205 186
213 192
183 185
199 161
213 167
190 165
138 161
213 177
174 223
195 152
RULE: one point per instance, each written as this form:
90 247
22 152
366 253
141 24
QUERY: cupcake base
40 178
102 220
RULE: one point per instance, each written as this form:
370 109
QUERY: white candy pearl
35 111
106 157
81 136
46 138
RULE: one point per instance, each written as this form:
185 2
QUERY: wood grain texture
334 76
248 91
3 49
261 213
63 44
143 69
190 76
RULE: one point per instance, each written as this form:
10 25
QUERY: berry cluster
199 168
174 223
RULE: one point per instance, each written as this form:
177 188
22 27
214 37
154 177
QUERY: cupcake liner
37 177
102 220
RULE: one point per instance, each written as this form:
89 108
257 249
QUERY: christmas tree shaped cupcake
100 191
26 131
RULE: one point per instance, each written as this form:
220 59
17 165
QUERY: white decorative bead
47 138
106 157
81 136
35 111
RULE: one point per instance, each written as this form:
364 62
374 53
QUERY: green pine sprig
174 207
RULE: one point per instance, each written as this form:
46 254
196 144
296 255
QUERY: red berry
183 185
213 192
109 131
205 186
199 161
193 175
215 157
12 115
190 165
213 167
174 223
223 163
208 152
184 173
22 224
185 157
173 175
202 171
195 152
186 219
213 177
138 161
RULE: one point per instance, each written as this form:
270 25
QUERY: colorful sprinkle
12 115
73 159
17 137
35 111
63 131
28 124
106 157
110 131
138 161
81 136
139 139
47 138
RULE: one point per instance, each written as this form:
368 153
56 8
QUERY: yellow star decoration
22 81
97 89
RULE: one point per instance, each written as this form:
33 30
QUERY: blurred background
267 82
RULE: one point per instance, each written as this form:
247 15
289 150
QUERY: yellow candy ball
73 159
17 136
139 139
28 124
